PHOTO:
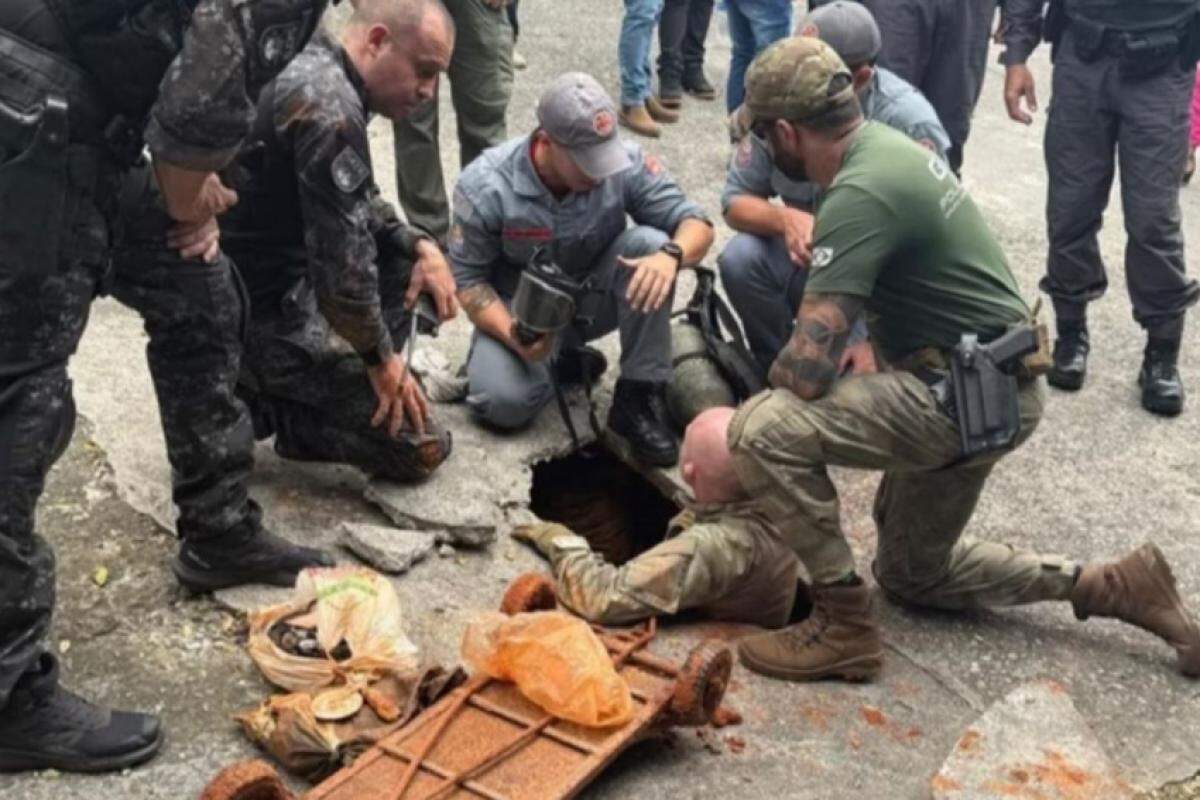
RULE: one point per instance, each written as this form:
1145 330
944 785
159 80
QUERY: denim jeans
753 24
633 49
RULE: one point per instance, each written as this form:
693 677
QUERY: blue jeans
633 49
753 24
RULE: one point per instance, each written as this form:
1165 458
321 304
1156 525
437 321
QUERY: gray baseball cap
578 114
847 27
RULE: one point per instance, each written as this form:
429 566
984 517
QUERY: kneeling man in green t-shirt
899 240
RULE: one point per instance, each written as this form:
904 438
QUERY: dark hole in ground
602 499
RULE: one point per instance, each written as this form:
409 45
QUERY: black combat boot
46 727
259 557
696 84
639 415
670 90
1162 388
1070 356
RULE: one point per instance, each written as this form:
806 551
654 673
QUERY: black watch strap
673 250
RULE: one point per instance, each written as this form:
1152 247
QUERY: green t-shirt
897 227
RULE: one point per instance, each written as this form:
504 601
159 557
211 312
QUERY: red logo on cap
810 29
602 123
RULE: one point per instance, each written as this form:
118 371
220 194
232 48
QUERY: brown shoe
838 640
659 112
638 120
1140 589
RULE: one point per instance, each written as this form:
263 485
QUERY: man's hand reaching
196 239
191 196
431 274
798 234
400 397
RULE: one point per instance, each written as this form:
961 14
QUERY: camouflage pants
192 315
890 421
313 393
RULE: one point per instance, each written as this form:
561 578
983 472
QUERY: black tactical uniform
321 251
1123 73
82 83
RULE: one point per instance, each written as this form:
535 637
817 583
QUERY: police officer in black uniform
1123 73
84 85
322 252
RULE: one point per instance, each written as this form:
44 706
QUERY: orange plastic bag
556 662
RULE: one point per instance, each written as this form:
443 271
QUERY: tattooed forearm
476 298
808 364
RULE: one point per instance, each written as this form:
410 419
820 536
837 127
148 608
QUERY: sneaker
262 557
44 726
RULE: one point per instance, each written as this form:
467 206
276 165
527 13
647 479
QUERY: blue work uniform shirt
503 213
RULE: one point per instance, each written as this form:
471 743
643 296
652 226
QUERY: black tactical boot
576 366
638 415
46 727
696 84
1162 388
260 557
1070 356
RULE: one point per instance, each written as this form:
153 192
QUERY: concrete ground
1098 477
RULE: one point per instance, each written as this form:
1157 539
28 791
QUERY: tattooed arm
808 364
490 316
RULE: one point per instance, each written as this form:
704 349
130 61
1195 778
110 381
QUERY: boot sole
702 95
672 103
626 450
21 761
1068 381
200 582
1164 580
860 669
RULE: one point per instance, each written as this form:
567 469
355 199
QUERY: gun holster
33 180
984 388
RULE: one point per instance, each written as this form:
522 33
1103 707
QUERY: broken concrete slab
1031 744
390 550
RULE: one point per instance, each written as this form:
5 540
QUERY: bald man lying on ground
719 557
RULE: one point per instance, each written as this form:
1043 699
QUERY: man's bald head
399 48
400 15
705 460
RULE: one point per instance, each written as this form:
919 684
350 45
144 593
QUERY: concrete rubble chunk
391 550
1032 744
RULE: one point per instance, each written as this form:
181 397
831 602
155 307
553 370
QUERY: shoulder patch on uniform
745 153
279 43
653 165
456 238
821 257
349 170
810 29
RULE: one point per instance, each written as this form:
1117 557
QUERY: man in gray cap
1122 77
564 191
764 267
941 48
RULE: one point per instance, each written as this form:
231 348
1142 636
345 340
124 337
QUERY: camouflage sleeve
653 198
334 179
699 566
1023 31
231 49
393 236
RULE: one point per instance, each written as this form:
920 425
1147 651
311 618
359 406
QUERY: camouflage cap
797 78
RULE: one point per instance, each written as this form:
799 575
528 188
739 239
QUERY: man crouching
322 253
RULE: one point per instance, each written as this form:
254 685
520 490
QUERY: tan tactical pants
783 445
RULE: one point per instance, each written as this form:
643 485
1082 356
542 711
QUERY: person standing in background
640 110
481 80
681 34
941 48
753 24
1194 143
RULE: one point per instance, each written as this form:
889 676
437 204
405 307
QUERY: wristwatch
674 251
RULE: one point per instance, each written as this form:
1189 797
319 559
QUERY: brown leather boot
838 640
638 120
659 112
1140 589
